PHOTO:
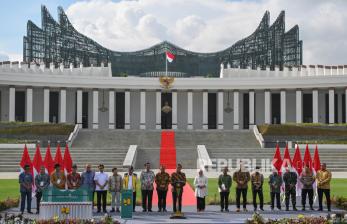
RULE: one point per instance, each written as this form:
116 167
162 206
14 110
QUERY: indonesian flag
307 158
67 160
48 162
297 165
58 159
277 160
25 160
287 161
316 165
37 161
316 160
169 56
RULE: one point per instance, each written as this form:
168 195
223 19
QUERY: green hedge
301 130
37 129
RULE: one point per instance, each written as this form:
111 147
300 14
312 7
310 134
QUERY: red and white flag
25 160
286 164
169 56
287 161
58 159
316 165
49 162
277 160
307 158
297 165
37 161
67 160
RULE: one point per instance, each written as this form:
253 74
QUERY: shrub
8 203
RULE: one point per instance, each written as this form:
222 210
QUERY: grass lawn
338 188
10 189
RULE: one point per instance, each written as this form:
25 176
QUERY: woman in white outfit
200 183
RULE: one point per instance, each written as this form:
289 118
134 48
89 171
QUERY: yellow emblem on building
166 82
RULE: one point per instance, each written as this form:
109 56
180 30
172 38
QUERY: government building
66 77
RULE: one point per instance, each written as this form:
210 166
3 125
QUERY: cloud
207 26
6 56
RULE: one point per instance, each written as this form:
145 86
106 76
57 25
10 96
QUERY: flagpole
165 64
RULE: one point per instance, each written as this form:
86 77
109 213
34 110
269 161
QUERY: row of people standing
289 178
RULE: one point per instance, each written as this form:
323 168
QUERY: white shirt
200 181
101 178
130 182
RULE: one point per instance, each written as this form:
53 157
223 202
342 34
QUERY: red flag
277 159
37 161
307 158
169 56
67 160
287 161
297 160
25 160
49 163
316 160
58 159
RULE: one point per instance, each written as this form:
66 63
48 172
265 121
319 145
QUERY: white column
174 110
158 110
331 106
298 106
12 104
236 110
46 105
283 107
79 108
111 109
220 111
190 110
251 109
95 109
29 105
267 95
204 110
142 109
346 105
315 115
127 110
62 106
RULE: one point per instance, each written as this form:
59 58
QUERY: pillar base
251 126
95 126
142 126
174 126
236 127
205 126
111 126
158 126
220 126
127 126
190 127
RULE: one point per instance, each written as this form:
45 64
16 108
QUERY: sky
197 25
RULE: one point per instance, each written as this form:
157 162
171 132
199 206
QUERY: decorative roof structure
60 43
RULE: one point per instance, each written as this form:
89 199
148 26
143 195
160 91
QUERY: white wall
135 109
197 109
150 109
182 110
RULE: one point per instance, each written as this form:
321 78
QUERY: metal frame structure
57 43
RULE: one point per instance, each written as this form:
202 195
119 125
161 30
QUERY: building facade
60 43
238 99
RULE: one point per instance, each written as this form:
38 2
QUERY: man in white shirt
101 186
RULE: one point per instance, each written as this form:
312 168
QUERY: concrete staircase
335 158
110 147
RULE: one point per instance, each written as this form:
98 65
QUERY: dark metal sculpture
60 43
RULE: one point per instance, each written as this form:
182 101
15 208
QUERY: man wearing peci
178 181
42 181
147 179
224 185
26 182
